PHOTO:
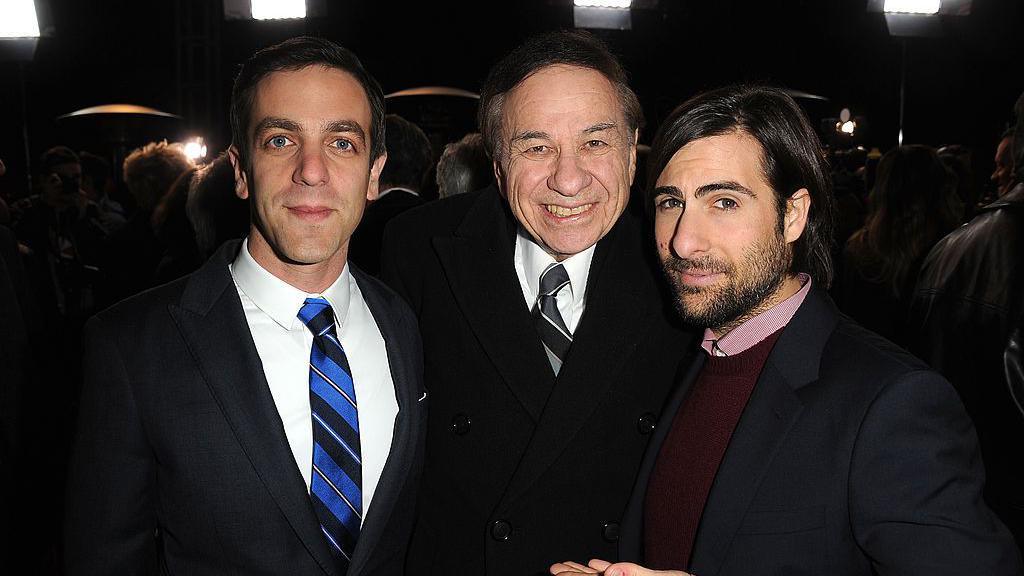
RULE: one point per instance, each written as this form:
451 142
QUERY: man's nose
311 169
689 239
570 176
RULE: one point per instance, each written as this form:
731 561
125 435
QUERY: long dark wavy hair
912 205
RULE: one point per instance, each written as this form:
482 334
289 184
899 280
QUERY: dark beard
739 299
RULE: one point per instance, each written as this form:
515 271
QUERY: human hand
603 568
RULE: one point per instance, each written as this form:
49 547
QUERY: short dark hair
568 48
57 156
791 158
296 54
409 154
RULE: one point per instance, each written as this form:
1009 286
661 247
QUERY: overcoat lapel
616 313
213 325
478 265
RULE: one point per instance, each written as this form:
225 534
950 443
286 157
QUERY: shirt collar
535 260
384 193
756 329
280 300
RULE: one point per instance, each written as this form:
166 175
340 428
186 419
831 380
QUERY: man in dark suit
263 415
799 443
409 160
548 350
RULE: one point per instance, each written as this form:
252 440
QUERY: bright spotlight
912 6
618 4
278 9
847 127
195 149
18 19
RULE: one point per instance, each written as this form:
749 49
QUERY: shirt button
610 531
645 425
501 530
461 424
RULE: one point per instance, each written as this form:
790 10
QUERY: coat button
461 424
610 531
501 530
645 425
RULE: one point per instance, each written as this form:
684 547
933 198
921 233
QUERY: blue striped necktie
336 486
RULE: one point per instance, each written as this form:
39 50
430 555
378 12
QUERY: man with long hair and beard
798 443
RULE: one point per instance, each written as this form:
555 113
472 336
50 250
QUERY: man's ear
798 207
373 188
632 155
499 177
241 178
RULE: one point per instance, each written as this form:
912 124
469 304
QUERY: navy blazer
181 463
851 458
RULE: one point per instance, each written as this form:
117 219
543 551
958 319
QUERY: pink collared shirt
746 335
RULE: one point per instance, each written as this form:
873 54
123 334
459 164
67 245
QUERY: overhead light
847 127
618 4
912 6
195 149
18 19
278 9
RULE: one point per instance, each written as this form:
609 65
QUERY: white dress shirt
531 260
284 344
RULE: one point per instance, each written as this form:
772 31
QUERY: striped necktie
553 331
336 483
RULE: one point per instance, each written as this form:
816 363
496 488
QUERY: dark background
180 56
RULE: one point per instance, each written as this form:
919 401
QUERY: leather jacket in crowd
965 320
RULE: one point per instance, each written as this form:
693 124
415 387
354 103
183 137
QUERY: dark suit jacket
522 470
182 464
851 458
365 246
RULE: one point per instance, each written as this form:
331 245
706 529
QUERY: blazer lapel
616 312
773 408
478 263
401 456
212 323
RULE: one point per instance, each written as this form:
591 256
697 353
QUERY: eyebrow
724 185
275 123
531 135
346 126
670 190
601 127
706 188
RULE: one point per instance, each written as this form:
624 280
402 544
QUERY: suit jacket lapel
400 460
478 263
773 408
212 323
608 332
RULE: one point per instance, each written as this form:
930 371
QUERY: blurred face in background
1003 174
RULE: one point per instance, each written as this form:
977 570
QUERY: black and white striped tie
553 331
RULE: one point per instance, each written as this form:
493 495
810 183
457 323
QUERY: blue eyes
279 142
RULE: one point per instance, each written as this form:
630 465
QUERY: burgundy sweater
689 458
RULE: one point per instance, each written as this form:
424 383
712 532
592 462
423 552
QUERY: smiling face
566 157
718 232
311 173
